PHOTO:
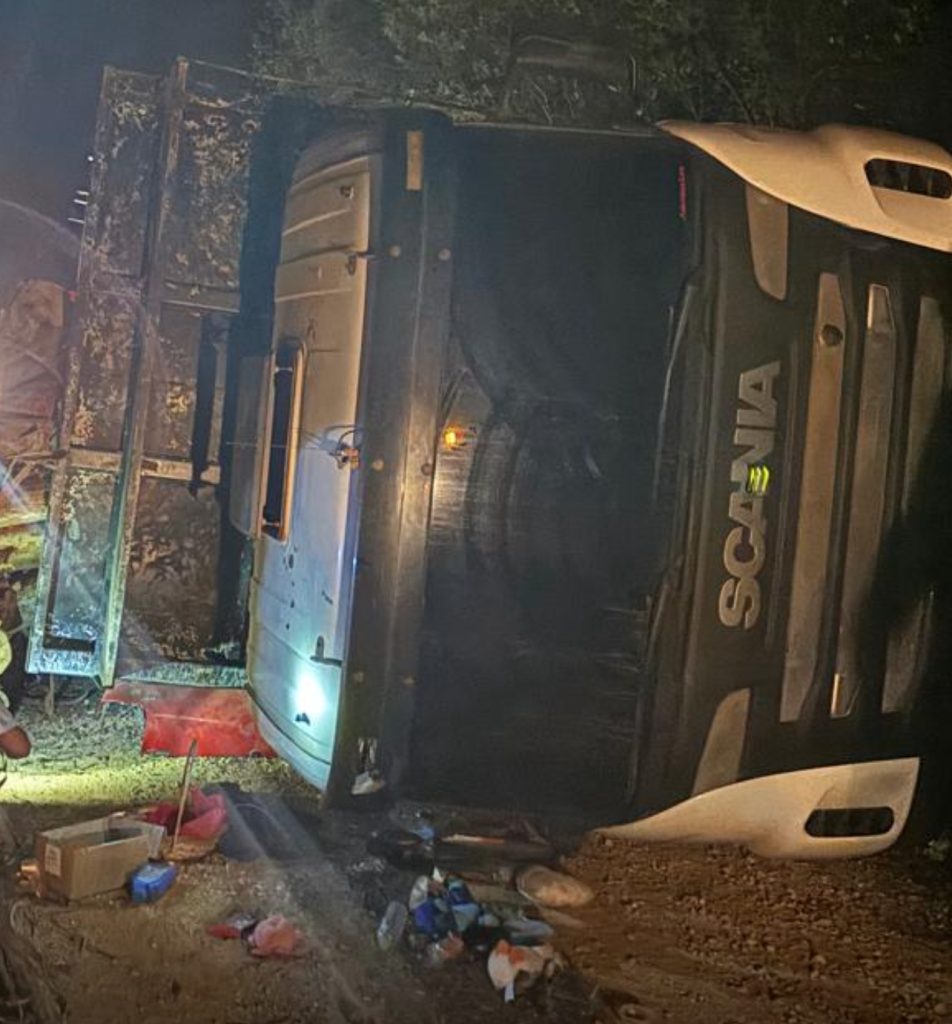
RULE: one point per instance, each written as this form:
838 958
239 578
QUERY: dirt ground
700 934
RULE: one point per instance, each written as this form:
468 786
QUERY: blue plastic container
151 881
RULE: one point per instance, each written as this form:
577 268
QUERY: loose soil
690 934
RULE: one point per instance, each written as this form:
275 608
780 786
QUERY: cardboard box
96 856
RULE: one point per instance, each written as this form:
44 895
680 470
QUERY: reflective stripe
6 652
7 721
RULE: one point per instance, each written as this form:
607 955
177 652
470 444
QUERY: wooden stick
49 701
183 796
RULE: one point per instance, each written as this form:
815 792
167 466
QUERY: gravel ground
716 934
105 960
697 934
87 755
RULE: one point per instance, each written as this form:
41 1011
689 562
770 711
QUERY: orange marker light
454 438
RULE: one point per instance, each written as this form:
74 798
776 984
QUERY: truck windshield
570 257
572 260
576 244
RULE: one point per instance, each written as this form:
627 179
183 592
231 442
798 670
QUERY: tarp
222 721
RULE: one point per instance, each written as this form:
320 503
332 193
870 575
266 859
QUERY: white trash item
507 963
551 888
392 926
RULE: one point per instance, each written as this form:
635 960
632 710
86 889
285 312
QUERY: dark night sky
52 53
51 58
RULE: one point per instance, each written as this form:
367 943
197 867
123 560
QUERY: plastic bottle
392 925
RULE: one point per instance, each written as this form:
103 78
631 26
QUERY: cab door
301 586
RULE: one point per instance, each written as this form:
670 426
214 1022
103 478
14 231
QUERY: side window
286 383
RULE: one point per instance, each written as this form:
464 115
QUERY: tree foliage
790 62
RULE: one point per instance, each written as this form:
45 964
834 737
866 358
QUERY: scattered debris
151 881
198 821
94 857
270 936
205 816
422 889
446 914
239 926
509 965
552 889
392 925
433 917
275 936
492 856
402 849
524 931
414 819
494 892
367 783
505 847
450 947
463 907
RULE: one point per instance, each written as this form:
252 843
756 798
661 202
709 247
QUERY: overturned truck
549 468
